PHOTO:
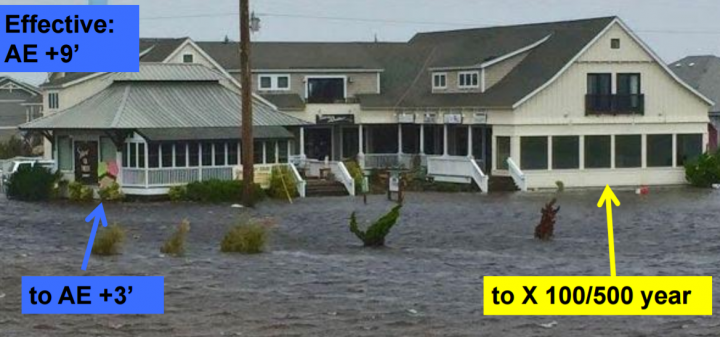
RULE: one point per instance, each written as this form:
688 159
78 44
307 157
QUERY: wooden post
246 83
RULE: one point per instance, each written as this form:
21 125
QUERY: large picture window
659 151
326 90
598 152
628 151
689 148
534 153
566 152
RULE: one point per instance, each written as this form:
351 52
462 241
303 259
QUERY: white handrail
477 174
300 183
517 175
342 175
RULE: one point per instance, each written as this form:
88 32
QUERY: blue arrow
99 215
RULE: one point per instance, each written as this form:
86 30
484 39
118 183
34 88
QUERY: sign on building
335 119
480 118
453 118
406 118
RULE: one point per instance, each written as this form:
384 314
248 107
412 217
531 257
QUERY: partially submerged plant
108 240
111 193
175 245
247 238
79 192
546 229
375 235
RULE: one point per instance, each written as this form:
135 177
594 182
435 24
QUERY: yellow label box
594 295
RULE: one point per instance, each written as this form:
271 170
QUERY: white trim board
592 43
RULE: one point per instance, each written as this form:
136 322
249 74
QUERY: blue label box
98 38
93 295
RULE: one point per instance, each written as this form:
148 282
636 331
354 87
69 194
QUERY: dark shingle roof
703 74
295 55
286 102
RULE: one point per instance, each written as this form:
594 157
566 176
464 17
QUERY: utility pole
247 119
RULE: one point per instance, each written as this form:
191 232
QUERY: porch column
422 139
119 161
147 166
581 156
400 141
445 140
674 150
361 147
200 161
277 153
470 142
264 161
302 144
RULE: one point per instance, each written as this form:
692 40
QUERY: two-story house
19 103
583 102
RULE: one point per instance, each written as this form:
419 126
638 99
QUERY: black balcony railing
615 104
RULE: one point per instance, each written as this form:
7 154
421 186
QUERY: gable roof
25 86
703 74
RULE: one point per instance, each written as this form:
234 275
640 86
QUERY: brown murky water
317 281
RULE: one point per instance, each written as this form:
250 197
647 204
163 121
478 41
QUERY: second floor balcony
614 104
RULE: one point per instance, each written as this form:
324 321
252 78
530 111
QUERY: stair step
502 184
324 188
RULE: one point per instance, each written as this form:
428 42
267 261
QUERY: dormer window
615 43
188 58
274 82
469 80
439 81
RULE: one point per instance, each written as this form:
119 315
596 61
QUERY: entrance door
482 145
318 143
86 162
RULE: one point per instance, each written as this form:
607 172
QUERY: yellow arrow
608 198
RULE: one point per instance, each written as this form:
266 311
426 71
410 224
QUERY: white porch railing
167 177
458 170
517 175
133 177
300 183
342 175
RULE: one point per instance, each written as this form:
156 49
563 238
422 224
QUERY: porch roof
215 133
161 105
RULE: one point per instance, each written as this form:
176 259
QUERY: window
503 153
628 92
232 153
350 140
274 82
566 152
326 90
181 155
439 81
469 80
65 153
659 150
689 148
258 154
153 155
410 138
194 154
599 84
134 155
188 58
628 151
167 155
270 152
598 152
383 139
54 100
534 153
141 155
615 43
207 154
219 154
283 156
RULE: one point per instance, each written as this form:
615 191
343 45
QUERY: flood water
316 280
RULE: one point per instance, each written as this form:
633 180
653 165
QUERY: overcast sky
673 28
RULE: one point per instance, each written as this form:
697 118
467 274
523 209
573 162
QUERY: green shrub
32 184
175 245
15 147
111 193
79 192
280 179
248 238
375 235
217 191
704 171
560 186
108 240
177 193
357 173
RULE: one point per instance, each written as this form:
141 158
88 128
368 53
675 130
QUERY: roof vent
691 64
678 65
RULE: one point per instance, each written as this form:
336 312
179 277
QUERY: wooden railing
300 183
457 169
517 175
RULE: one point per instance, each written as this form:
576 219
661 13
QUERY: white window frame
50 100
470 74
274 81
310 77
188 54
436 75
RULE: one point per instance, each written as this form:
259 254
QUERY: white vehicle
14 165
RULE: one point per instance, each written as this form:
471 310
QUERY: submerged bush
704 171
108 240
282 183
175 245
111 192
247 238
177 193
217 191
546 229
79 192
32 184
375 235
357 173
